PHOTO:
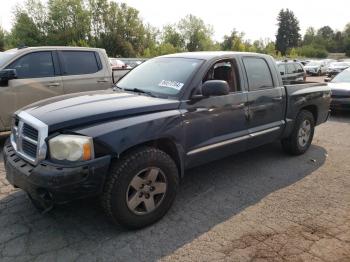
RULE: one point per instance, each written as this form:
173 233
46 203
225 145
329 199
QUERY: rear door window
79 62
258 73
299 68
282 69
34 65
291 69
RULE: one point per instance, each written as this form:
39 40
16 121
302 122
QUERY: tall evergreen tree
288 35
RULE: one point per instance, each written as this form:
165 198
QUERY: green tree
172 36
326 32
98 10
288 31
233 42
347 46
312 51
270 49
68 21
309 36
25 31
197 35
124 35
2 39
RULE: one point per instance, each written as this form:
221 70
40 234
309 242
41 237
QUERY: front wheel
301 137
141 188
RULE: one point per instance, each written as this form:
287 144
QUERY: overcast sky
256 18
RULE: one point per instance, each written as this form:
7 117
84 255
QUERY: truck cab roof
208 55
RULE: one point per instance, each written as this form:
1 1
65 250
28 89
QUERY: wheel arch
167 145
313 110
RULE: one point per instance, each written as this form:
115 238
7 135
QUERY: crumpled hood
90 107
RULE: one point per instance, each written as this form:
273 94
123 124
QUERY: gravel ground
261 205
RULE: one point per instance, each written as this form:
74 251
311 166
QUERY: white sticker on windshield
171 84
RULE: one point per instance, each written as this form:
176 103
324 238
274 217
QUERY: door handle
277 99
53 84
102 81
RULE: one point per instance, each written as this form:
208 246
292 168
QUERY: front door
216 126
37 80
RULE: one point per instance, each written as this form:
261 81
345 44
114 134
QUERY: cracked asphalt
261 205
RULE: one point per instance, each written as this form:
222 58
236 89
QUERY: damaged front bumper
48 183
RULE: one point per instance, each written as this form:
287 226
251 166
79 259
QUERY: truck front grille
30 132
28 137
29 149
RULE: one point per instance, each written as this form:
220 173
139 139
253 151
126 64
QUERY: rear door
266 100
38 78
82 71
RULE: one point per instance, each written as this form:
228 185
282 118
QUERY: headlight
71 148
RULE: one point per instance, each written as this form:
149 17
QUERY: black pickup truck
132 144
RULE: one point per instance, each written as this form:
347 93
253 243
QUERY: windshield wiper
137 90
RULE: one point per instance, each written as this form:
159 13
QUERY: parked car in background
117 64
291 71
340 87
336 67
133 62
316 68
34 73
132 145
304 62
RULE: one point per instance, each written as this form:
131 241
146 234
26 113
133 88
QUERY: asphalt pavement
260 205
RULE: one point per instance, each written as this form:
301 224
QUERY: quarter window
34 65
258 73
79 62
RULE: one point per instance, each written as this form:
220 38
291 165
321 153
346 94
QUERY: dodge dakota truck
131 145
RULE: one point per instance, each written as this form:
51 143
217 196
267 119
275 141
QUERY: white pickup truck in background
31 74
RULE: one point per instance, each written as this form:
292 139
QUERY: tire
299 142
130 182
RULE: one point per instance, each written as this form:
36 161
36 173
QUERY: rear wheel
141 188
301 137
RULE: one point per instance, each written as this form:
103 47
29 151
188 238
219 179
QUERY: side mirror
327 79
300 71
215 88
6 75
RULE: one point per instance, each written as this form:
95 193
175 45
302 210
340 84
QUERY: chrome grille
29 148
30 132
28 137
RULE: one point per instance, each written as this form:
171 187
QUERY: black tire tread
116 170
290 144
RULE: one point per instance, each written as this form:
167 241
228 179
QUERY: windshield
343 77
315 63
6 56
162 76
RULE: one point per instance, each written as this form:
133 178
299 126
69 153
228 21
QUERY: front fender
117 136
